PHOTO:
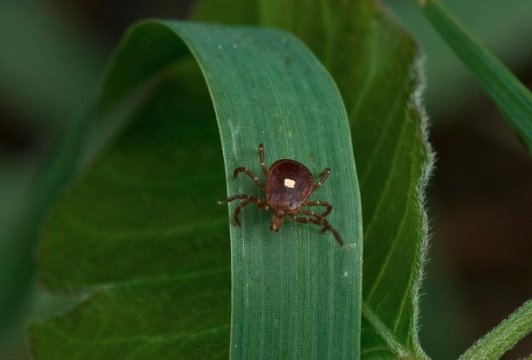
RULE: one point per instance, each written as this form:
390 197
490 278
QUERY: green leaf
503 337
26 205
503 27
513 99
15 245
376 66
51 90
68 59
382 95
141 238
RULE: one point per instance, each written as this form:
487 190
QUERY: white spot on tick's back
289 183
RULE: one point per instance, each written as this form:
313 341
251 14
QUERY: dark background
480 196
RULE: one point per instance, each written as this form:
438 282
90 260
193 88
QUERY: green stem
503 337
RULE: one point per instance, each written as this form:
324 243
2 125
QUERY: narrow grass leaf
377 68
141 237
513 99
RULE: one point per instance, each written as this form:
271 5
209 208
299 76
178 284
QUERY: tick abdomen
289 184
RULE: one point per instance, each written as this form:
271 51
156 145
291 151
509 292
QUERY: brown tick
288 186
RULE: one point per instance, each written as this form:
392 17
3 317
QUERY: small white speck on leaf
346 273
220 46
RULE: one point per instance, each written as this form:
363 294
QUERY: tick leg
321 203
246 200
262 162
245 197
327 226
319 220
246 171
323 176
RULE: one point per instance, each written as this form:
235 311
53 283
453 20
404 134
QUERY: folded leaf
141 235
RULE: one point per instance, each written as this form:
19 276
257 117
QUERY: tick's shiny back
288 185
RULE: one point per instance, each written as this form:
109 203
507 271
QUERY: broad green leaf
376 66
513 99
141 237
15 185
28 202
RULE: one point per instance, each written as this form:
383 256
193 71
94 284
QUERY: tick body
287 189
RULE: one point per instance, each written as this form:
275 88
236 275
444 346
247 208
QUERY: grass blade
377 69
141 233
513 99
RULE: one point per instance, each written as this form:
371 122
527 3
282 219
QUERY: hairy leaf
504 336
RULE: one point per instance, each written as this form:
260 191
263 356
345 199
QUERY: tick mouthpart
276 222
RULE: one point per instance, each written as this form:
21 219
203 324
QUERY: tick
286 191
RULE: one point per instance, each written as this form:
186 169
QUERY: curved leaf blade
376 66
149 238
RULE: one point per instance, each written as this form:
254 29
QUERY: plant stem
503 337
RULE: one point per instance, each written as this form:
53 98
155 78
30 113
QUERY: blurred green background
52 54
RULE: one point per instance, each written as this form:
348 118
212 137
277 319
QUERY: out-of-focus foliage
502 26
511 97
